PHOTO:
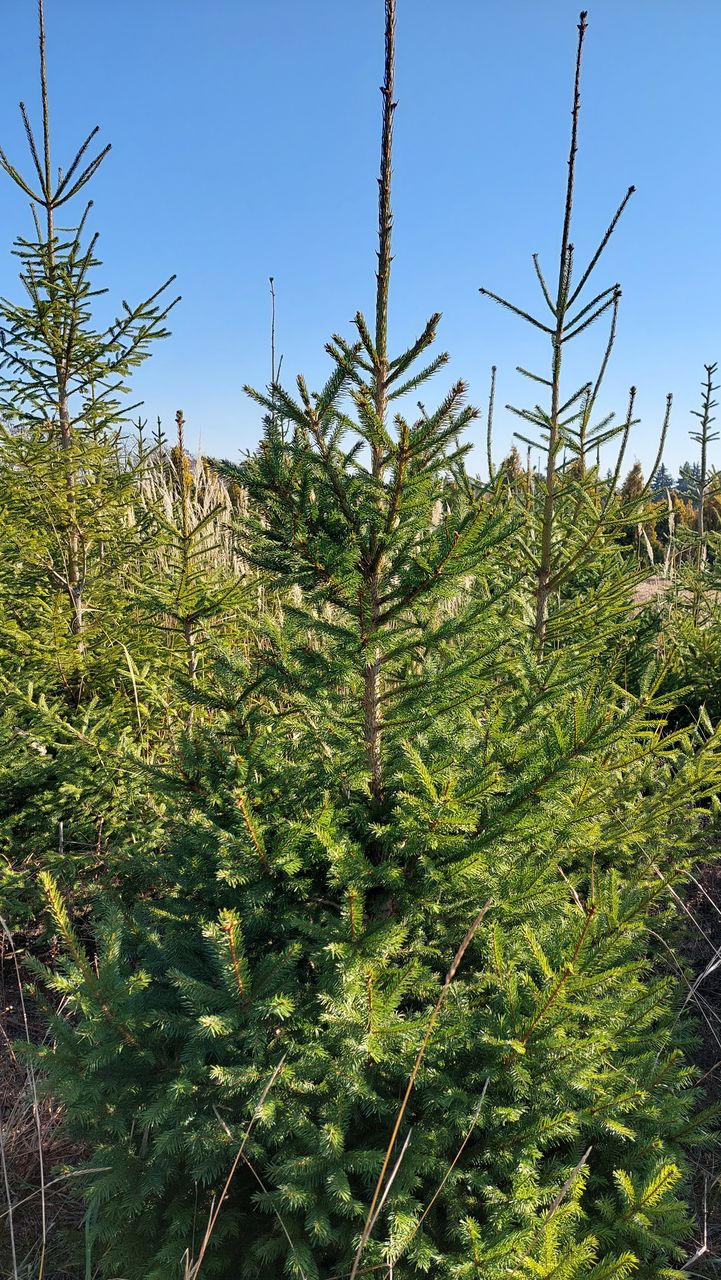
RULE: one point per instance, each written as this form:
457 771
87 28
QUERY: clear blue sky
245 141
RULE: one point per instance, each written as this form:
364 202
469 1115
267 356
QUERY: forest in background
358 813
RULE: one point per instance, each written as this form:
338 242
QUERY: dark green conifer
662 481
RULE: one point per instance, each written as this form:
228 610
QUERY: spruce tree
689 477
662 481
277 1041
573 517
192 583
704 437
71 526
63 379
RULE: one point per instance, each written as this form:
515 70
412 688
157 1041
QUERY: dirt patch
702 948
660 590
34 1151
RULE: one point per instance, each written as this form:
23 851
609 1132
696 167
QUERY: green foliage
281 740
560 1033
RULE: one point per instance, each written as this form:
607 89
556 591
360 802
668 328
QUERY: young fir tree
396 775
704 437
692 627
573 518
71 524
688 481
663 481
193 586
63 381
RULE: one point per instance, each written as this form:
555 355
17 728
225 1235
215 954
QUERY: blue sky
245 141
